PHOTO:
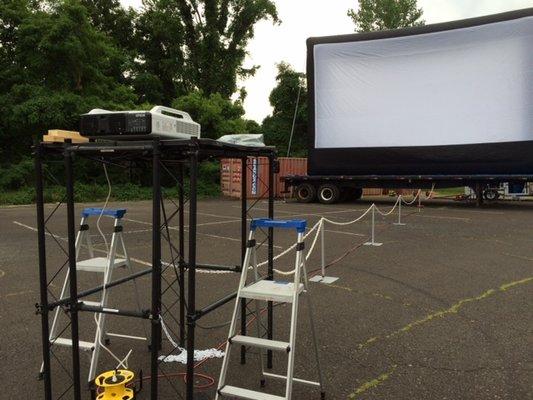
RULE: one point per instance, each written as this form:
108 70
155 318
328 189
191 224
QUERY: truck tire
305 193
491 194
328 193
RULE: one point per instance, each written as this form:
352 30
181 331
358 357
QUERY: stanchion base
323 279
373 244
399 223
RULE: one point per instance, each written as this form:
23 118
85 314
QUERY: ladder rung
260 343
271 291
87 346
284 378
98 264
241 393
92 303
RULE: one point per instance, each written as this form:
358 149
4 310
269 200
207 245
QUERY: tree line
62 58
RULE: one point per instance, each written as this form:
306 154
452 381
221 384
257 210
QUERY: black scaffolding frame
161 154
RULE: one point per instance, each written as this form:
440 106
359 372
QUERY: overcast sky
302 19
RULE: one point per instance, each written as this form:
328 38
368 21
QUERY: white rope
291 272
121 362
349 222
199 355
315 226
408 203
103 209
391 211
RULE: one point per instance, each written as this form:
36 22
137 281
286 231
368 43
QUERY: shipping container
257 176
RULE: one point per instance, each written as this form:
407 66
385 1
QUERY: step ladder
260 289
100 265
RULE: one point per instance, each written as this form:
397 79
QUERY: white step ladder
101 265
266 290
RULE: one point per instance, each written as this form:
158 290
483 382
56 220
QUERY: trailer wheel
491 194
305 193
328 193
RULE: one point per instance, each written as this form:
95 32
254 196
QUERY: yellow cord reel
114 384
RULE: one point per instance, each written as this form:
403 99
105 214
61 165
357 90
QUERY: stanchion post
372 241
323 256
400 200
323 278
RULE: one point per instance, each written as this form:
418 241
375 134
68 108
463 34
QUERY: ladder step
98 264
275 345
240 393
92 303
280 291
86 346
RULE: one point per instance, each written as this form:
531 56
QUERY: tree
217 115
189 45
115 21
277 126
58 67
377 15
159 77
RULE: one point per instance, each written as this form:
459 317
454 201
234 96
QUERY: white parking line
138 261
198 233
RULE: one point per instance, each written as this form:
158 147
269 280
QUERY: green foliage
18 175
62 58
217 116
110 18
56 67
195 45
377 15
283 98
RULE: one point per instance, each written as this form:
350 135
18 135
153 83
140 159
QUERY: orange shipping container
257 176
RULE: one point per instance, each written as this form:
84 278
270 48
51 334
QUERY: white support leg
372 241
400 200
322 278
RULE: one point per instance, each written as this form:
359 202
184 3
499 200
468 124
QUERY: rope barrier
320 226
398 200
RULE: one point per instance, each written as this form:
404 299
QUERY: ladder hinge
84 227
251 243
300 246
118 228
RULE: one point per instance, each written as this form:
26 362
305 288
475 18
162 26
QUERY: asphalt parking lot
442 310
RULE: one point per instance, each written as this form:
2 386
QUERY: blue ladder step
112 212
298 224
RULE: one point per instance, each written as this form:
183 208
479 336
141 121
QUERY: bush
17 175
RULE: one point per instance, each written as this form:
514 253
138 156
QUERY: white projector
159 121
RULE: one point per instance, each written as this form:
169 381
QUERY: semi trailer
441 105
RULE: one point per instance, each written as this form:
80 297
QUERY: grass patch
450 191
96 192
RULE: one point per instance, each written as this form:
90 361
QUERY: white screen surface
462 86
